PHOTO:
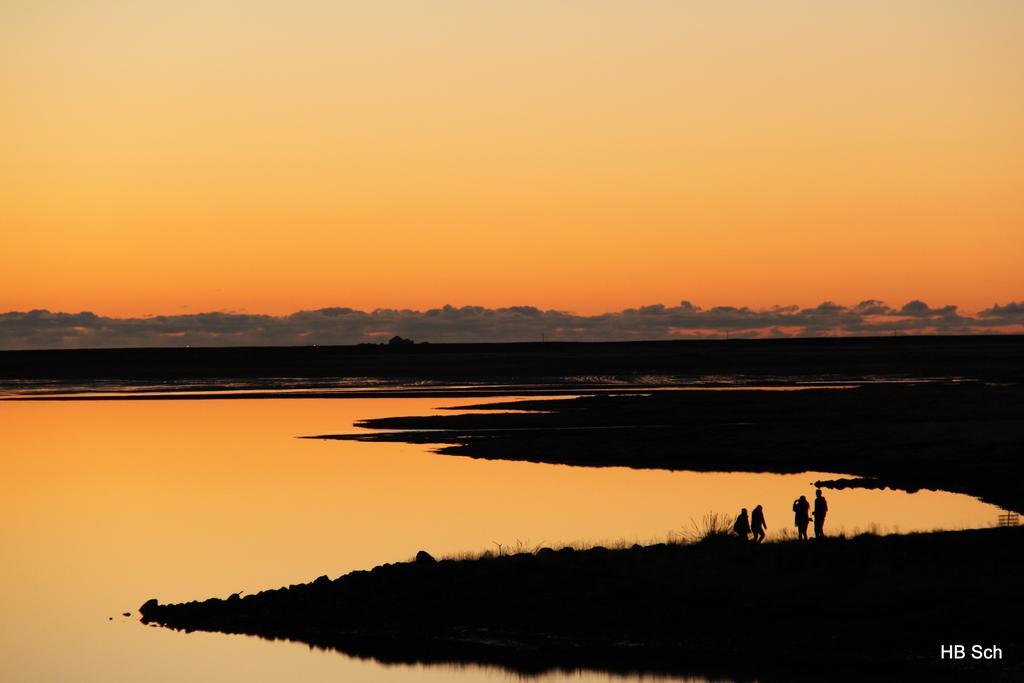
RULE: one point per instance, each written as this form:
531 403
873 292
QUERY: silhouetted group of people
753 527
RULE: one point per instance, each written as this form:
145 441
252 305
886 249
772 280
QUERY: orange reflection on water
106 504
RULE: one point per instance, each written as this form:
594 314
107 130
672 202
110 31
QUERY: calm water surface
106 504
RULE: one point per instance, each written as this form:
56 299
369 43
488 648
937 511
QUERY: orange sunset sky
271 156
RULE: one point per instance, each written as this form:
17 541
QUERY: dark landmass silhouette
962 437
995 357
824 609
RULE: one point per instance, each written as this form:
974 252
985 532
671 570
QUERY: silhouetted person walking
820 511
757 524
802 517
742 525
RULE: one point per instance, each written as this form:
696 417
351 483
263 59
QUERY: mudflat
966 437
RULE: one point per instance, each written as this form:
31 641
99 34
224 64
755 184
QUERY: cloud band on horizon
42 329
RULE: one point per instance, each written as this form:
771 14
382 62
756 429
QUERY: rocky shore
720 606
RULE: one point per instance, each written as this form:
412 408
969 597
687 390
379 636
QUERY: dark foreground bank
882 606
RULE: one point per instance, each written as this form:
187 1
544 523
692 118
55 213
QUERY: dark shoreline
965 437
985 357
781 611
555 387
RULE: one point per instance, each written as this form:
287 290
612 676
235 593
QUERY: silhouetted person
742 525
802 517
820 510
757 524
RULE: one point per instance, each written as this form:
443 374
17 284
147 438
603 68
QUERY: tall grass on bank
712 526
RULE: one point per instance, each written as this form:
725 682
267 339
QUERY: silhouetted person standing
802 516
820 510
742 525
757 524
